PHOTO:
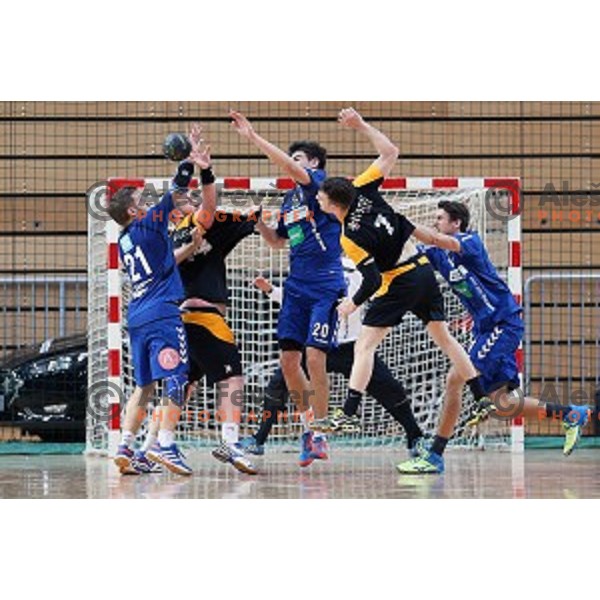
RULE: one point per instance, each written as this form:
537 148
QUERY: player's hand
346 308
200 153
350 118
241 124
198 236
264 285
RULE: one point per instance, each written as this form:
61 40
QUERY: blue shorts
493 354
159 350
309 317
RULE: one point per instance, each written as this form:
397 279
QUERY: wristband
207 176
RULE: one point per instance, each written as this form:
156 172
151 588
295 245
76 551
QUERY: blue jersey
146 251
314 236
474 279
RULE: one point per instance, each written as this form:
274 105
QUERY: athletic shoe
249 446
234 454
324 425
320 448
171 457
429 463
340 421
306 456
573 422
123 459
419 448
142 464
481 412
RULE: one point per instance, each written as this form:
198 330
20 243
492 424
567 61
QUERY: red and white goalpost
495 208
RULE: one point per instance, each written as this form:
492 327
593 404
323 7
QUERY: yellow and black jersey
204 274
371 227
374 236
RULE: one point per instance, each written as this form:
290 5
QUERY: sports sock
476 388
166 438
127 438
148 442
353 400
307 418
439 445
230 433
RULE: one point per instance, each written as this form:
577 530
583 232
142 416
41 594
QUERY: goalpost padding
495 211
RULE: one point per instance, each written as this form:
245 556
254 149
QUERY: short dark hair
311 149
340 191
120 203
457 211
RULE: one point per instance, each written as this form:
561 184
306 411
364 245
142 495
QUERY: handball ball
176 146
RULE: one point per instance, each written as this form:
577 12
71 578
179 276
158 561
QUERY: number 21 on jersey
132 259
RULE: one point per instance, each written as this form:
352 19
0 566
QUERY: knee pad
175 388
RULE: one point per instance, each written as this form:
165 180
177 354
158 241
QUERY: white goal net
410 354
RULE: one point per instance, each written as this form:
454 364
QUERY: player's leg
215 355
135 413
230 404
276 396
141 463
494 355
390 393
135 409
300 393
340 360
169 359
364 360
293 327
428 305
295 378
462 370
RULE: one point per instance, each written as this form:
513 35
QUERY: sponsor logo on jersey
169 359
363 206
126 243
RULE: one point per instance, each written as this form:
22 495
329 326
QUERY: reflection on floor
349 474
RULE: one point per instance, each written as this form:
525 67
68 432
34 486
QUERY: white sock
166 438
230 433
148 442
307 418
127 438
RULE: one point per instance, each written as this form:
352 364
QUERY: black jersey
204 274
372 228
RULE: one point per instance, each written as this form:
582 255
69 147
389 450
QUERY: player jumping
459 255
308 317
400 278
158 340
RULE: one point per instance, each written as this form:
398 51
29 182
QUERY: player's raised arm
431 237
200 155
285 162
388 152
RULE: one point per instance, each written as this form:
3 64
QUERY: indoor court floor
349 474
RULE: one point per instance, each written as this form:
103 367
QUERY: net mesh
409 353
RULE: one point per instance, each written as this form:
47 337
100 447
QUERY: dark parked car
43 389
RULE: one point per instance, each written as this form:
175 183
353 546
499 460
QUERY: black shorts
213 351
415 290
